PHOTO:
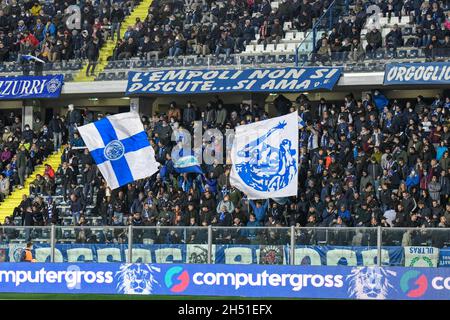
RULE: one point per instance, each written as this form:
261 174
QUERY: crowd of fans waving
362 163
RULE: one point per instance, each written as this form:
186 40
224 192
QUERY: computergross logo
414 284
179 274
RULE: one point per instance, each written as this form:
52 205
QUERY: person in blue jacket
259 210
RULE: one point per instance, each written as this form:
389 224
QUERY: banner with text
221 254
380 283
248 80
29 87
417 73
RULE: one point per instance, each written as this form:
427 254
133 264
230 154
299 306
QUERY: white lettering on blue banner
417 73
249 80
31 87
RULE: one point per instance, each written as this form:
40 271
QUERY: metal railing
130 238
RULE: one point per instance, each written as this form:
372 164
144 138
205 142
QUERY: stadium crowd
177 28
362 163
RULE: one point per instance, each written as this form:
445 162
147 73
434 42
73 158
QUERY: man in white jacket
4 187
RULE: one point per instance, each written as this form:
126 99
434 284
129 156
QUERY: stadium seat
248 59
189 62
200 62
111 65
10 68
401 54
150 63
230 61
178 62
168 63
413 53
291 58
111 76
260 59
120 65
390 54
139 64
270 59
379 54
218 61
101 76
68 77
281 58
159 63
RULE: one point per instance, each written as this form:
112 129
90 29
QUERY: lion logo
114 150
136 278
369 283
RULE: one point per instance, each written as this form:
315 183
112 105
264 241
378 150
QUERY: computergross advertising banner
249 80
29 87
417 73
225 280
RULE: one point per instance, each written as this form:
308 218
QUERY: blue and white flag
301 123
187 164
29 57
120 147
264 158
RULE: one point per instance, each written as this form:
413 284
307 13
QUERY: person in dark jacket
21 165
56 126
92 53
89 180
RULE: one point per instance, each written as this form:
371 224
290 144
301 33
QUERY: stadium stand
188 34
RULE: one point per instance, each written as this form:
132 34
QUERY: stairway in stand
14 199
140 11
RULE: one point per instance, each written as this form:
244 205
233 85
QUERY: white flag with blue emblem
264 158
120 147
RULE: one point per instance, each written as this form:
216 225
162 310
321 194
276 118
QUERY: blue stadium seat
281 58
178 62
260 59
218 61
121 75
11 67
168 63
200 62
111 76
401 54
189 62
270 59
159 63
379 55
101 77
390 54
230 61
247 59
120 65
68 77
2 67
48 66
140 64
413 53
291 58
150 63
111 65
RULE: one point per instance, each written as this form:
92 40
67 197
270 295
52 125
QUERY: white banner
265 158
421 257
